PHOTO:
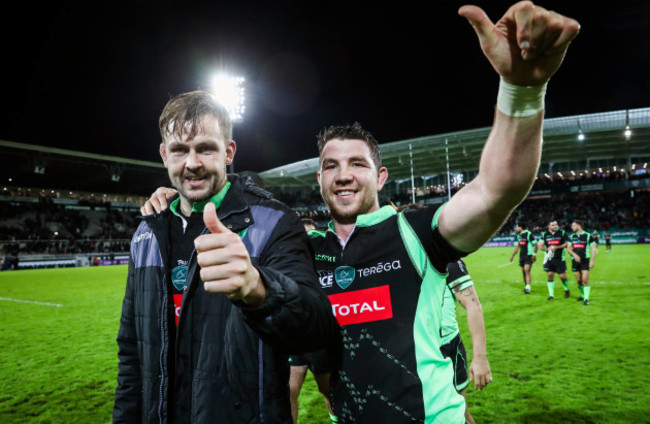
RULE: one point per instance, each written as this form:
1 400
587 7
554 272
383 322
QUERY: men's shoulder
425 214
256 195
247 185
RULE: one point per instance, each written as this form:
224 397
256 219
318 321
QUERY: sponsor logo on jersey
579 245
344 275
325 258
325 278
379 268
522 242
553 242
360 306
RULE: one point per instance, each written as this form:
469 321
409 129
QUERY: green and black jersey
555 239
526 242
386 286
581 243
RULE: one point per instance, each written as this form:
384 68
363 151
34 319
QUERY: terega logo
553 242
344 275
362 305
579 245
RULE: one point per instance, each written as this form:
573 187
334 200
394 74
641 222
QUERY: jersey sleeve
458 278
425 225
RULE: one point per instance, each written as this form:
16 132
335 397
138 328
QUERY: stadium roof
24 165
604 139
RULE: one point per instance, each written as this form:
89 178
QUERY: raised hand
527 45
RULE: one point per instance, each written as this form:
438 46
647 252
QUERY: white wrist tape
520 102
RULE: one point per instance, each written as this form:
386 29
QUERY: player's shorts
455 350
557 266
583 265
525 260
608 243
318 362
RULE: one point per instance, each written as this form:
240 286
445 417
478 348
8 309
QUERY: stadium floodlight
581 135
628 132
230 92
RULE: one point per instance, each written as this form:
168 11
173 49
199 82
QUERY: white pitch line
58 305
506 264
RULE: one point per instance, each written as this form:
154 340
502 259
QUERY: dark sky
94 76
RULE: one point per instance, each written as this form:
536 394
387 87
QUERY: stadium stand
68 208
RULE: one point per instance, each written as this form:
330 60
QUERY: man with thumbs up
387 289
221 288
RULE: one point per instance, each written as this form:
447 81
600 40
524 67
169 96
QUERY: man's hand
158 201
527 45
225 264
479 372
592 264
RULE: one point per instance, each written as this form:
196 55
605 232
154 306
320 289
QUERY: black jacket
230 359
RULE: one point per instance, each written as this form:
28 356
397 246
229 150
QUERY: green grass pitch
553 361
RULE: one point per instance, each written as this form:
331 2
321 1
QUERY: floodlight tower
229 91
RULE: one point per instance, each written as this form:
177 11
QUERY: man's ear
231 148
382 176
163 153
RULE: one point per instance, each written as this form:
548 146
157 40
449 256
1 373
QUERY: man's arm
594 253
479 369
525 47
569 248
281 300
278 292
514 252
128 393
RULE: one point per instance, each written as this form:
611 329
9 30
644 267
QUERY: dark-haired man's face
349 179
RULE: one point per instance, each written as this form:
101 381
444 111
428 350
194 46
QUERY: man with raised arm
384 271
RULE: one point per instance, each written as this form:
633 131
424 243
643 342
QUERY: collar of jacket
233 209
199 206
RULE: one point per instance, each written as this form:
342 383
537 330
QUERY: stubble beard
345 215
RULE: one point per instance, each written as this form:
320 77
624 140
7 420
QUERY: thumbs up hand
225 264
527 45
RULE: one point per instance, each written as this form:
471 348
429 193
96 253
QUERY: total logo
360 306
